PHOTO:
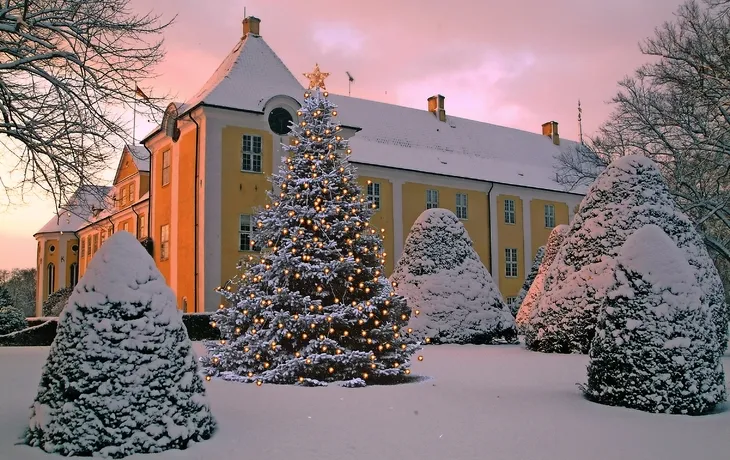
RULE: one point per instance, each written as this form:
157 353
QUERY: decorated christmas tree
121 377
449 287
654 347
314 307
537 261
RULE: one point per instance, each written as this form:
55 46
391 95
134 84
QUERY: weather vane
316 78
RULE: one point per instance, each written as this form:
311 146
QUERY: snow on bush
529 280
628 195
654 347
441 276
537 287
121 377
11 320
55 302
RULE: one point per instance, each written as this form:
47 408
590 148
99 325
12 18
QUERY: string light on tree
315 308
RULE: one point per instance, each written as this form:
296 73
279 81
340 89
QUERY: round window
279 120
52 248
75 248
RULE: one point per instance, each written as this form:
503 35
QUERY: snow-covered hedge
11 320
55 302
628 195
36 335
557 235
529 280
443 279
654 347
121 377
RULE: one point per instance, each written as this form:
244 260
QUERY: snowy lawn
482 402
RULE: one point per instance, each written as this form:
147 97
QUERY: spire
580 122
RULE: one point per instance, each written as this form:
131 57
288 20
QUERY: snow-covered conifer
628 195
537 261
443 278
557 235
314 309
121 377
5 300
654 348
11 320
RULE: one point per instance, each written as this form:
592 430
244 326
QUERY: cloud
338 37
480 89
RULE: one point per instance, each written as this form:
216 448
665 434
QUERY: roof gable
134 159
79 211
247 78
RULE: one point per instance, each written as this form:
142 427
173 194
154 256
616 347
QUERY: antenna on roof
580 121
349 82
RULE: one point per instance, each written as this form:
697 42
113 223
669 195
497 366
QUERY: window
102 236
51 275
131 193
245 234
251 153
511 301
73 274
125 226
165 242
510 262
166 165
95 245
279 120
88 246
461 206
83 249
141 228
432 199
549 215
374 194
123 200
509 211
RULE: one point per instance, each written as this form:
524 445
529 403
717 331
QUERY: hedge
41 331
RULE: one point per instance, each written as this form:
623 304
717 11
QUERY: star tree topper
316 78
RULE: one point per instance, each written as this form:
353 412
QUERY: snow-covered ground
482 402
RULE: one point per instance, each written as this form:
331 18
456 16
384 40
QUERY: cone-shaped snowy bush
654 347
529 280
555 240
121 377
628 195
442 277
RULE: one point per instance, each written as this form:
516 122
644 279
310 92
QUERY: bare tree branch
67 72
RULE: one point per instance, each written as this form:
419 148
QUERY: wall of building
383 217
510 236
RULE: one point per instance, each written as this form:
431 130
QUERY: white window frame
462 206
166 167
511 301
246 229
511 265
549 215
251 160
373 194
510 215
164 242
141 227
51 274
432 199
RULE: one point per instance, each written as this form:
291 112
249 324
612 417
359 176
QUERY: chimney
550 129
251 26
436 106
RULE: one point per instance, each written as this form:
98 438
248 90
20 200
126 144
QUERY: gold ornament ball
420 358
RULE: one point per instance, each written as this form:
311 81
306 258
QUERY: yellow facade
476 223
51 252
241 191
540 231
510 236
383 217
162 196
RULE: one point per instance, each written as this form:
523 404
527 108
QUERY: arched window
74 274
51 277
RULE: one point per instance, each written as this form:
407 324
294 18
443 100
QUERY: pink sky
516 63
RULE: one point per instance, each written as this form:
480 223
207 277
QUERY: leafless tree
676 110
68 72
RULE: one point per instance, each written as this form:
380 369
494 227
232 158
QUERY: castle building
192 191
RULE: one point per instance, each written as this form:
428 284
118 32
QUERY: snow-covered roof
247 78
78 212
392 135
141 157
